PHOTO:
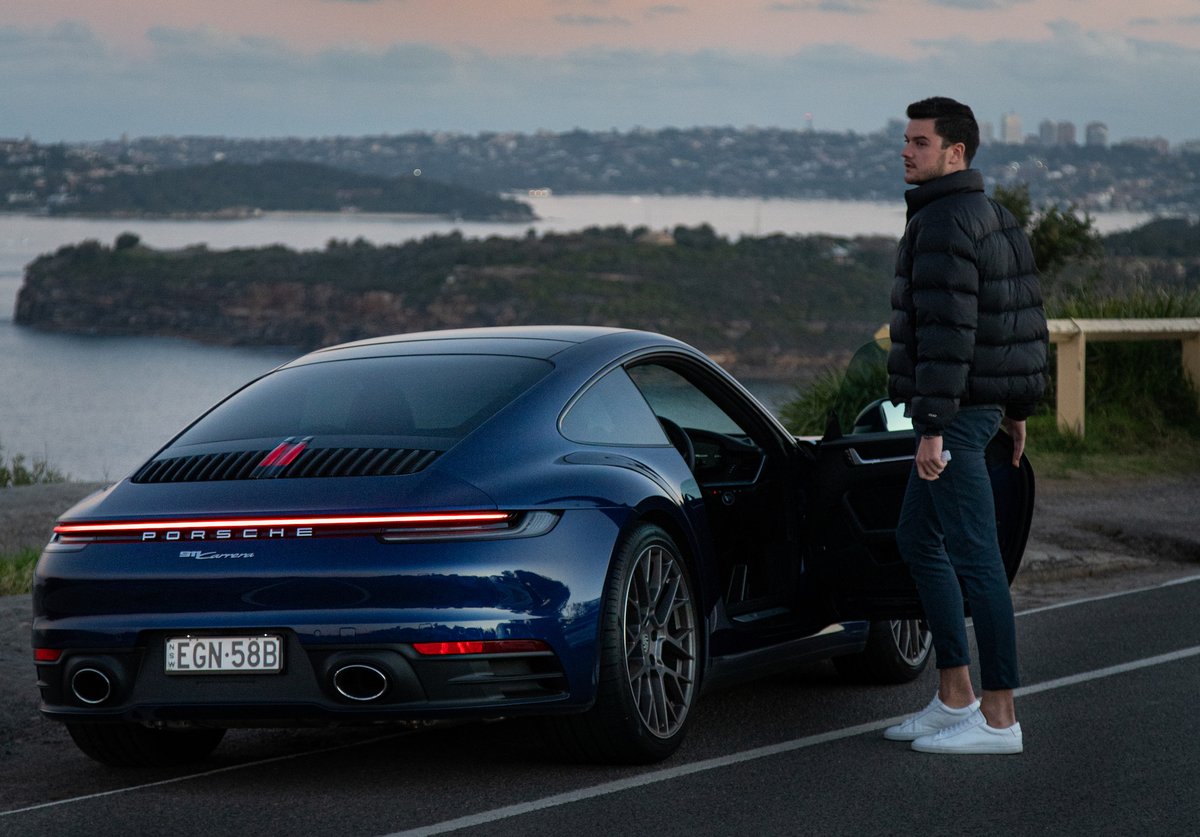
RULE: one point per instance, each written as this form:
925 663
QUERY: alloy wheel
660 640
912 639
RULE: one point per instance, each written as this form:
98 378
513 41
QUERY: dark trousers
947 536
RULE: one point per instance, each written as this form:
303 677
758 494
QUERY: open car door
854 498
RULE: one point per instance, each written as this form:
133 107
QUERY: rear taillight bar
286 526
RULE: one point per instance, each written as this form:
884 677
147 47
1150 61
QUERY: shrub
16 472
842 393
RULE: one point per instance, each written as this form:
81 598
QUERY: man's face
924 157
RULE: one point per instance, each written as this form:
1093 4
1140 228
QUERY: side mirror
882 416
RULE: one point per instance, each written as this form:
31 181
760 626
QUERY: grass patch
16 572
1141 412
1110 449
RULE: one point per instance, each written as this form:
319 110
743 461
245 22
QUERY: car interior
747 487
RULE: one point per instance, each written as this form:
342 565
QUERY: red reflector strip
284 454
272 458
46 655
288 456
444 519
491 646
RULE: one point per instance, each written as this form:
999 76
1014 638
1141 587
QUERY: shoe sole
975 750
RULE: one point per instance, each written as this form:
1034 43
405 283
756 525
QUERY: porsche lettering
246 534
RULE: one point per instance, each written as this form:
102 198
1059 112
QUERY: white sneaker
972 735
933 718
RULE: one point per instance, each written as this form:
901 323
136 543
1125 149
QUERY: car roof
526 341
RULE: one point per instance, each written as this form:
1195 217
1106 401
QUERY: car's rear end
323 548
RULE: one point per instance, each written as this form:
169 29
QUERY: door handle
853 458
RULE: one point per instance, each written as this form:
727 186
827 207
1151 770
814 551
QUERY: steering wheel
680 439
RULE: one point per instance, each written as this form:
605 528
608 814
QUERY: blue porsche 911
587 524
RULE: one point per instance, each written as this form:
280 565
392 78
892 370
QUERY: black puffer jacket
967 320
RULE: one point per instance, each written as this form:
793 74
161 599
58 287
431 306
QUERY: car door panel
854 496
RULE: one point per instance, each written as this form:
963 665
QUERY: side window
674 397
612 412
722 451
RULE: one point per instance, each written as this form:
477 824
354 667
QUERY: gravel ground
1090 536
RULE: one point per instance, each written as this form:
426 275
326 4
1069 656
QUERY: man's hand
929 458
1016 429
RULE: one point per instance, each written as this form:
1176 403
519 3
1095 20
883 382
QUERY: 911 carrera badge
212 556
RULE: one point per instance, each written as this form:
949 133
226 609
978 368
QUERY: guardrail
1072 337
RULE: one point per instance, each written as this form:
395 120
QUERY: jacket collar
970 180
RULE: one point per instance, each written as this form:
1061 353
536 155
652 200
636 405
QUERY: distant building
1047 132
987 133
1065 133
1010 129
1096 135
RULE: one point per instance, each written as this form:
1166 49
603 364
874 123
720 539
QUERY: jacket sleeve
945 287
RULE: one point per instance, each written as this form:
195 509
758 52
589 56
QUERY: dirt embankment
1095 535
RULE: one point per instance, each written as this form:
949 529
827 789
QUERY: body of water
97 407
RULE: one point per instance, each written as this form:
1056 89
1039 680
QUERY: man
968 355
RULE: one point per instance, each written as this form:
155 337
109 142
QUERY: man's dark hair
953 121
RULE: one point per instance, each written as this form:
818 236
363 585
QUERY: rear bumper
336 603
318 685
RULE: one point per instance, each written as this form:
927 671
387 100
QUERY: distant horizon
1029 136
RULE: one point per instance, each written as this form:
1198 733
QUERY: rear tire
133 745
897 651
649 658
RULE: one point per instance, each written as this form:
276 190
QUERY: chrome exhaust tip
91 686
360 682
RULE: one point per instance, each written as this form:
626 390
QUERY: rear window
443 396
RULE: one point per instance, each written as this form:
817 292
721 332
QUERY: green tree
1058 237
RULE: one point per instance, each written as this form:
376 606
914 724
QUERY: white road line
670 773
1122 668
206 773
1101 597
661 775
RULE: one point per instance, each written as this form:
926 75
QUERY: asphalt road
1109 711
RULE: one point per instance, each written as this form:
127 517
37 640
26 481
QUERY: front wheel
649 658
133 745
897 651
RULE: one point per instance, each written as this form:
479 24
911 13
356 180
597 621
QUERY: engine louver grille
313 462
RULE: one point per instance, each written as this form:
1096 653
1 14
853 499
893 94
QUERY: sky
85 70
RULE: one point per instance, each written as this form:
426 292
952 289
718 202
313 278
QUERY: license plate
224 655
